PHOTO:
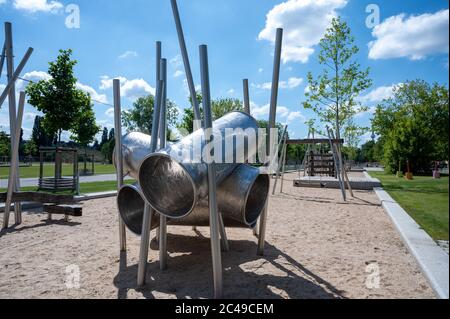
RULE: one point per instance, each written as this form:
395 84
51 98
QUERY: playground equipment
58 183
189 189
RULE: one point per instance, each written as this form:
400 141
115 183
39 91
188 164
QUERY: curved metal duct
241 199
174 180
135 147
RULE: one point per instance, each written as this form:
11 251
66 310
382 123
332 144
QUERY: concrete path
33 182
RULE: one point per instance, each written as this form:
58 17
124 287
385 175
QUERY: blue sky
117 39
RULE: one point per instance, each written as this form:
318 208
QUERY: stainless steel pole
158 77
272 123
187 65
14 161
119 162
148 211
163 142
16 74
246 97
9 52
214 216
284 164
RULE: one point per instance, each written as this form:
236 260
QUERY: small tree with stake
333 94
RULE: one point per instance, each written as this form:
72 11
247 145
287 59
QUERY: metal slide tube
174 180
240 199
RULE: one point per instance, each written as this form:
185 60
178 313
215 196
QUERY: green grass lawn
424 198
85 188
49 170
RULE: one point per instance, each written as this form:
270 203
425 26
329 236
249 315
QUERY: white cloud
92 92
178 73
291 83
33 6
295 116
304 23
34 76
110 112
128 54
231 92
2 1
414 37
260 70
379 94
131 89
176 61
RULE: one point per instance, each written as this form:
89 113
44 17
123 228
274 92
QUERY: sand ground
317 247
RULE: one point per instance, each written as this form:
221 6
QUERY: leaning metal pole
272 122
148 211
187 65
158 78
162 145
2 59
118 153
14 160
214 216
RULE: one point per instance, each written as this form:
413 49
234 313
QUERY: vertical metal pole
213 211
9 51
158 78
119 163
336 164
14 160
148 211
187 66
246 97
272 123
284 164
163 141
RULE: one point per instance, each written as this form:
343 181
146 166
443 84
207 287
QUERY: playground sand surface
317 247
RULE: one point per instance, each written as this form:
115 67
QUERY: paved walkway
32 182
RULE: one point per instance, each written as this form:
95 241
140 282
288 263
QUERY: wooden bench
66 210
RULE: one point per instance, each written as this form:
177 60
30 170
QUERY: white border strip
432 259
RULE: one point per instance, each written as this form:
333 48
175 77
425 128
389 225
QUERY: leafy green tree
104 137
334 94
219 108
413 126
5 144
39 135
30 148
140 117
58 98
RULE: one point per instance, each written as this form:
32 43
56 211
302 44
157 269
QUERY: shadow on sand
190 273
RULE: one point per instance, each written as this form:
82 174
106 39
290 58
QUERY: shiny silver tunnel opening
256 199
167 186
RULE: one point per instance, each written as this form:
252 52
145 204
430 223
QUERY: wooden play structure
317 163
58 182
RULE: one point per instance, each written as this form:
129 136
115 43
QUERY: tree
111 135
107 150
30 148
104 137
333 94
219 108
413 126
58 98
5 143
140 117
39 135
